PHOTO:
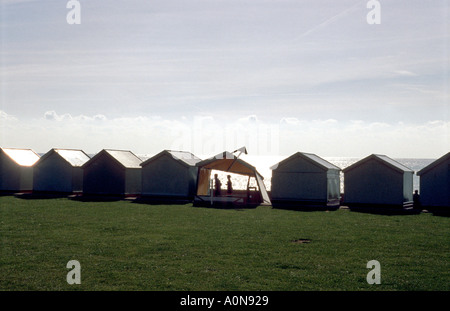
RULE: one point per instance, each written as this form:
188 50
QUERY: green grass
127 246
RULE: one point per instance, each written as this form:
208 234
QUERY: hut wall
104 176
14 177
408 187
334 185
299 179
166 177
77 179
26 178
435 186
53 174
374 183
9 174
133 181
301 186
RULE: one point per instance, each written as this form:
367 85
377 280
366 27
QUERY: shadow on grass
40 196
97 198
386 211
306 208
443 211
161 201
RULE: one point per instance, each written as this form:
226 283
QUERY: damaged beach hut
59 171
210 193
170 176
378 181
435 184
112 173
304 180
16 169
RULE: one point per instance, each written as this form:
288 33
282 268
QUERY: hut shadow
226 206
386 211
162 201
41 196
439 211
307 206
6 193
96 198
441 214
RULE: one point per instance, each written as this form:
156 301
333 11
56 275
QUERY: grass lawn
123 245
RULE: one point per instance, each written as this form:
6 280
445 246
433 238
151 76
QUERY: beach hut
170 175
112 172
59 171
226 162
305 180
435 184
16 169
378 181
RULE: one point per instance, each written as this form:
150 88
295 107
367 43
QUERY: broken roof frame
228 162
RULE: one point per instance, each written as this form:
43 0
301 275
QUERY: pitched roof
74 157
433 164
124 157
309 156
383 158
23 157
186 158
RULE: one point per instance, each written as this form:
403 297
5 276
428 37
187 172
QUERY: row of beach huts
302 180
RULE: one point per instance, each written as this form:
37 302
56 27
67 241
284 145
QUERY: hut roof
74 157
308 156
23 157
125 158
430 166
384 159
185 158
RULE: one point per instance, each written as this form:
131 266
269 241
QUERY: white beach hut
170 175
59 171
16 169
112 172
377 181
305 180
435 183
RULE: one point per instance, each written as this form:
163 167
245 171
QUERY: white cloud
206 135
211 75
405 73
6 117
289 121
53 116
251 118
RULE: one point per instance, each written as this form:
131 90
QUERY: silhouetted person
229 185
416 200
217 185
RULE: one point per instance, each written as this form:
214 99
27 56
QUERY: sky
211 75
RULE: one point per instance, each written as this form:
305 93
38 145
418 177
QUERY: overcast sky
207 75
